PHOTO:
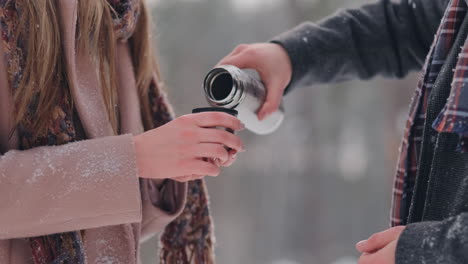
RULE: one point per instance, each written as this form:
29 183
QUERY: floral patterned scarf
188 239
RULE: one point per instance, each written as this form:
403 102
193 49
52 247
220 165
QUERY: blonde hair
39 27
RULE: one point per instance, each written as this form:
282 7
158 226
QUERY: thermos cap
215 109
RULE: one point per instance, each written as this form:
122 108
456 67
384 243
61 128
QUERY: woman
79 180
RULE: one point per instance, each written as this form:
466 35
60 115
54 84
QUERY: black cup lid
215 109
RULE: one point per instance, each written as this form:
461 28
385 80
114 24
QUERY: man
389 38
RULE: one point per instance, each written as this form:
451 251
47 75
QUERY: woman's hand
182 149
272 62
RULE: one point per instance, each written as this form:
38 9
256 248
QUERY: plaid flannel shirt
453 118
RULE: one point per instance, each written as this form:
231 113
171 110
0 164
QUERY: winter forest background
307 193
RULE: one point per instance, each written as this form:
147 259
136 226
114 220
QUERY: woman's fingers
207 165
200 167
188 178
232 159
211 150
176 150
183 178
217 119
222 137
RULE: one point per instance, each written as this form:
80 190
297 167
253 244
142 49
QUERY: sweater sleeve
435 242
76 186
388 38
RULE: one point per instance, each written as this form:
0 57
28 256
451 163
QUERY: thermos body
230 87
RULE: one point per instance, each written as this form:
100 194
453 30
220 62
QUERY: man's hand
272 62
380 248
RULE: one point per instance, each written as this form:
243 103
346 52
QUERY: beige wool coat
89 185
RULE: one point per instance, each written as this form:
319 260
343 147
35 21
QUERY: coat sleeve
435 242
81 185
387 37
162 203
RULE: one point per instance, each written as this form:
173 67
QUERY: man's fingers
384 256
240 48
240 60
369 258
379 240
273 98
229 58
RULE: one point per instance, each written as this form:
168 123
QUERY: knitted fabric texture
188 239
452 118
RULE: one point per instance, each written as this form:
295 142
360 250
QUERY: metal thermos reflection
230 87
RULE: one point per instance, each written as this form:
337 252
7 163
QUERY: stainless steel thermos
241 89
